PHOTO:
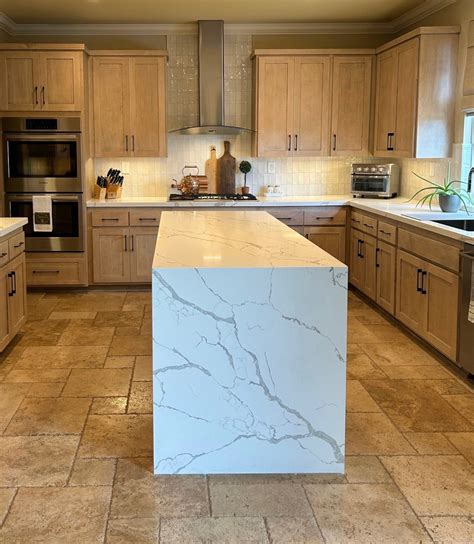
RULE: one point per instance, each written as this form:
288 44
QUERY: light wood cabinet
386 274
143 242
129 106
111 259
331 239
50 80
356 264
292 112
411 120
427 301
351 84
12 292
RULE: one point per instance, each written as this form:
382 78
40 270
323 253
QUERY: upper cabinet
129 105
293 115
351 92
36 80
415 93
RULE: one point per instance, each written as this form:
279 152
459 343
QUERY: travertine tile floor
76 442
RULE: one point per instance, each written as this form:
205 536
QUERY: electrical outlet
271 167
125 167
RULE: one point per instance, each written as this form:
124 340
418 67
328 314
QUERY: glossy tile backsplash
295 176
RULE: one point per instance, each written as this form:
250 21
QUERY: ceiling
185 11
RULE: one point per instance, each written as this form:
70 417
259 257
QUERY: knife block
113 192
99 192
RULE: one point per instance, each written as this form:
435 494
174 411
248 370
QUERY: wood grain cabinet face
386 274
312 81
386 100
21 75
356 263
275 106
142 242
17 302
111 258
331 239
42 81
351 84
129 106
5 289
410 308
62 81
111 96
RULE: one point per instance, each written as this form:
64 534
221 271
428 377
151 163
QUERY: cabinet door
386 102
311 106
19 87
441 318
275 106
331 239
356 263
61 81
111 106
369 249
411 303
17 302
142 251
111 255
407 92
5 289
386 266
148 107
351 86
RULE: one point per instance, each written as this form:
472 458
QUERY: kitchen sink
461 224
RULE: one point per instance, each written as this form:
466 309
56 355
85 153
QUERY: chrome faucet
469 179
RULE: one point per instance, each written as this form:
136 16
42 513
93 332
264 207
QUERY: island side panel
249 370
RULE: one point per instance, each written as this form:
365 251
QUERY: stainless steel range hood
211 82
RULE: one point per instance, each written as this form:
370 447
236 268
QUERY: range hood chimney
211 82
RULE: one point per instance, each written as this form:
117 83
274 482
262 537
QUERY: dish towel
42 213
471 305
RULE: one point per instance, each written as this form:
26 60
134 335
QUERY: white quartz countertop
10 224
236 239
398 209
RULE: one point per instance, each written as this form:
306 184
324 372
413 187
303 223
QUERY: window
468 148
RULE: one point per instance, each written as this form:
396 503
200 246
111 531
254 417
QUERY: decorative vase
245 190
449 203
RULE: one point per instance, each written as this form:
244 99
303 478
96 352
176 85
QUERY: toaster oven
375 180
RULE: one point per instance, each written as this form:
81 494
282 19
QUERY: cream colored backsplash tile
295 176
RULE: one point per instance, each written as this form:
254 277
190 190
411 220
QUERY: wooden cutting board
226 166
211 171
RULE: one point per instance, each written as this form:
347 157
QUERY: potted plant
450 197
245 167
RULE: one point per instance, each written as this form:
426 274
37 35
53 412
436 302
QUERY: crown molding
427 8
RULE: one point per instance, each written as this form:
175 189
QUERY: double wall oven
43 156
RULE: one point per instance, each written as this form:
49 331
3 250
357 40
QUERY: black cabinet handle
133 142
132 237
362 248
42 94
14 282
390 135
3 255
10 292
125 241
109 219
147 218
334 141
289 142
423 276
126 142
377 264
418 278
36 94
296 142
45 271
18 245
385 232
368 226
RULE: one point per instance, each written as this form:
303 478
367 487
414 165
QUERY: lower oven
466 326
68 227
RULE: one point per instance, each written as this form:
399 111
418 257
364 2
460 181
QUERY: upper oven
42 155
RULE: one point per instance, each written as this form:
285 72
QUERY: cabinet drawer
144 218
387 232
16 245
364 223
53 273
325 216
110 218
432 250
4 253
288 216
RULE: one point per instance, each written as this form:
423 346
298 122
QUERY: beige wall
315 41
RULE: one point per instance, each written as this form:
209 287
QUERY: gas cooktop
213 196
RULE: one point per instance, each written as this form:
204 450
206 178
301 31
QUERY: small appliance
375 180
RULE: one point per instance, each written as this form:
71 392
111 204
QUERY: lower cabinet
331 239
123 255
386 273
12 299
427 301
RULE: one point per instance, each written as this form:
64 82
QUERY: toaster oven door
370 184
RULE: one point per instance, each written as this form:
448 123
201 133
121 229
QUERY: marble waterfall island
249 347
